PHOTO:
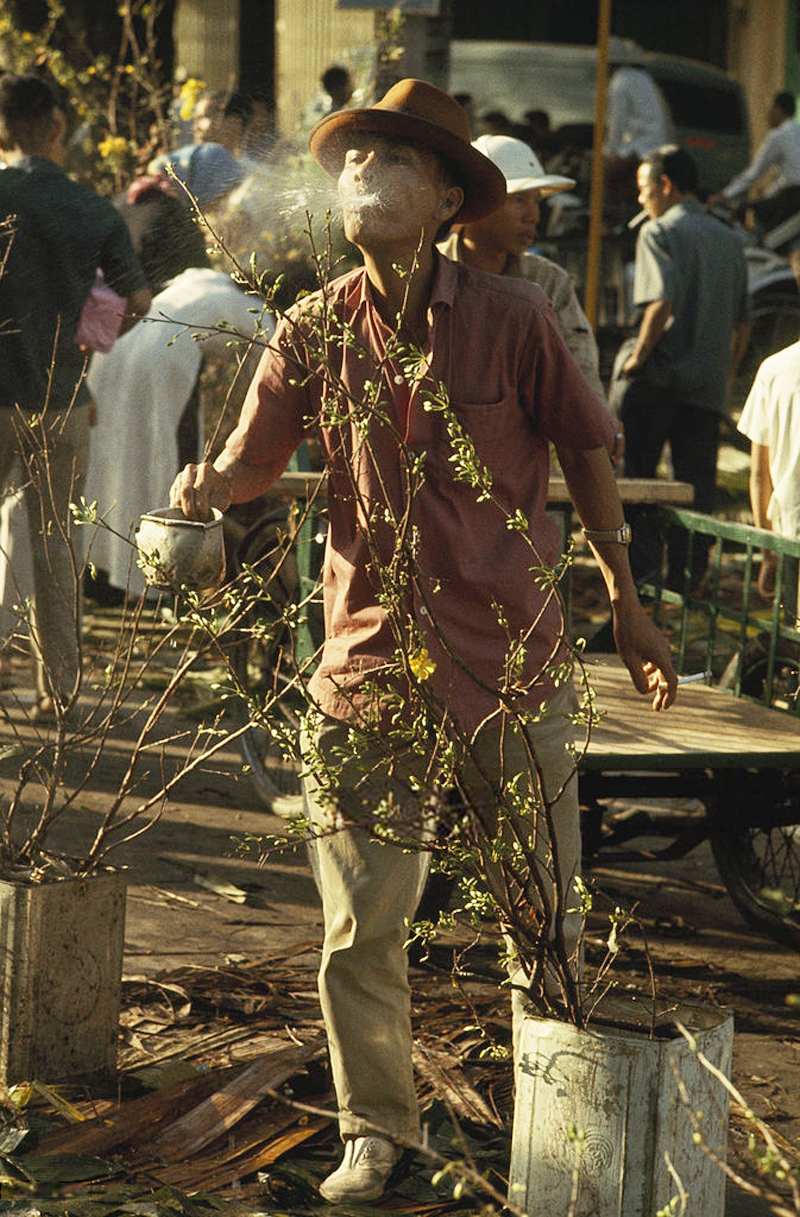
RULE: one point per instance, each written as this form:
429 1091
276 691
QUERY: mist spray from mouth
279 214
357 201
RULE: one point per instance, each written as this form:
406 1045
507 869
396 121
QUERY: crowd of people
444 218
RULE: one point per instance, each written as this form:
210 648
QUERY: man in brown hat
405 167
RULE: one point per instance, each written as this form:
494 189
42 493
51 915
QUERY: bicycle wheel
262 666
759 862
267 744
755 669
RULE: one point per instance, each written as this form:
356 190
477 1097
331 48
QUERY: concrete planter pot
61 947
599 1109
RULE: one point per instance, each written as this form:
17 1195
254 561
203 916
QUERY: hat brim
551 183
482 182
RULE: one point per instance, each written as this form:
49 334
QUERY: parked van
707 108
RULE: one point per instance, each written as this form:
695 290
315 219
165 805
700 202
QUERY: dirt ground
206 915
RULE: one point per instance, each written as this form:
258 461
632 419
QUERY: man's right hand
645 652
198 488
767 574
632 365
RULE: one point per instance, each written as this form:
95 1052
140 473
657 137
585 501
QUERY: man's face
775 115
392 192
652 194
510 229
206 121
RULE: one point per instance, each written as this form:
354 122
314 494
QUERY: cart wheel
757 851
261 663
786 676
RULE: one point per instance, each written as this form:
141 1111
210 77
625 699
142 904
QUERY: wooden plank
634 490
232 1102
706 728
631 490
213 1173
134 1121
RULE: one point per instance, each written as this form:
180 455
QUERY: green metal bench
730 615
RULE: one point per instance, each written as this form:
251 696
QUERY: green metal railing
735 607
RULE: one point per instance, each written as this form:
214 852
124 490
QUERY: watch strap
622 535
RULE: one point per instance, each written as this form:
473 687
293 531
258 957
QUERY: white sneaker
364 1170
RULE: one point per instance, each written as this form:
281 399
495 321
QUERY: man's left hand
617 450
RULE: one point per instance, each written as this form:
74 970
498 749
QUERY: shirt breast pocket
500 431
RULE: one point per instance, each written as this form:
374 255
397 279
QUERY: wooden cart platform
706 728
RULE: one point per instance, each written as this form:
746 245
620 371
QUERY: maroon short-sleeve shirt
494 344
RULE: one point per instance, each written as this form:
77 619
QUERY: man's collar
444 284
28 161
442 293
689 202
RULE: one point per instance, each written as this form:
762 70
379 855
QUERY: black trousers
653 417
773 210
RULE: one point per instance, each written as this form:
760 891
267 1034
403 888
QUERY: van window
698 106
516 77
707 108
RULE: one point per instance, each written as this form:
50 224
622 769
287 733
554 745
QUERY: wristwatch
622 535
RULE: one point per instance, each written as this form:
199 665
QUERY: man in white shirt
780 152
771 421
637 122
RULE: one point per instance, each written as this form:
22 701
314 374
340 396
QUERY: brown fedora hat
420 113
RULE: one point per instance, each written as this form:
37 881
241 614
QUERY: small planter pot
61 948
600 1111
175 552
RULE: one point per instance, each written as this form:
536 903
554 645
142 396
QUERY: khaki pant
370 891
55 610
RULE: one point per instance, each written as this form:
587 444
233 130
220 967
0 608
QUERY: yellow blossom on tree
421 664
113 147
190 91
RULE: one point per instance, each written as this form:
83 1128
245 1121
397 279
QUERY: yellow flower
114 146
421 664
190 91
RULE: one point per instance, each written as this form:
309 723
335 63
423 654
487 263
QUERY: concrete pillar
756 55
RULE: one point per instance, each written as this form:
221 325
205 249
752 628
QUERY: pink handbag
101 317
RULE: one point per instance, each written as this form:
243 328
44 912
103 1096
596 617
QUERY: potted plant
62 901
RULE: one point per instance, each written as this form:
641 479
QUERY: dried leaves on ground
225 1094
